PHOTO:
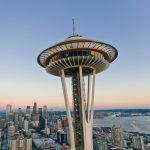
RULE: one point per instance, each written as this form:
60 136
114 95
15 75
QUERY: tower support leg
81 137
83 110
92 98
72 143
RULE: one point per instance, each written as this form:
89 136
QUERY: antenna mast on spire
73 26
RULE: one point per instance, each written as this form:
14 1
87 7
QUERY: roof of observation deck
75 42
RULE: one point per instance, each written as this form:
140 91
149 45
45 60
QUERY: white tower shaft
81 135
68 109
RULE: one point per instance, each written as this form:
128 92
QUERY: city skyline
27 28
40 128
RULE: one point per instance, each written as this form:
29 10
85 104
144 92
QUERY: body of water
137 124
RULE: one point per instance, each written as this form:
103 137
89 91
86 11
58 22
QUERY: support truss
81 138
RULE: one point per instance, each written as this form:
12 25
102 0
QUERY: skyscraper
8 110
20 111
11 130
35 108
11 117
138 142
40 111
99 142
59 124
28 110
45 112
116 136
0 134
16 118
41 123
78 58
46 130
26 125
19 142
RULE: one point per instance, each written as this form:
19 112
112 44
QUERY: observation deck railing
67 54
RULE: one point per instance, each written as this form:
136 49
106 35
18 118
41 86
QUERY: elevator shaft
78 111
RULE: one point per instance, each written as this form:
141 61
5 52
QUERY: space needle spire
73 23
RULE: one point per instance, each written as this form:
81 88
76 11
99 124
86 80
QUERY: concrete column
87 125
64 87
88 97
92 98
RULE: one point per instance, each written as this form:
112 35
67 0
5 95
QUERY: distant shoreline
142 110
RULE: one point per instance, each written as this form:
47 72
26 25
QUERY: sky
28 27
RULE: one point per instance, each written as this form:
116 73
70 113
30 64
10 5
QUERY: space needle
80 59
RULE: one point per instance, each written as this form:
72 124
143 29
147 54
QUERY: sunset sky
28 27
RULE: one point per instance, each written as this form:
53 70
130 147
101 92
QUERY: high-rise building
41 123
20 119
2 123
40 111
59 124
45 112
68 135
10 117
20 111
35 108
28 143
16 118
8 110
11 130
46 130
28 110
78 58
116 136
19 142
35 117
26 125
0 134
64 123
61 136
99 142
138 142
12 144
52 115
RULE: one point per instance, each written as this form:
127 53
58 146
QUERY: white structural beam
87 126
87 111
92 98
88 97
72 142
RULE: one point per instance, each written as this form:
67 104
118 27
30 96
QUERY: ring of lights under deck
68 64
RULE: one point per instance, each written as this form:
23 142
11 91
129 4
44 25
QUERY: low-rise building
44 143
